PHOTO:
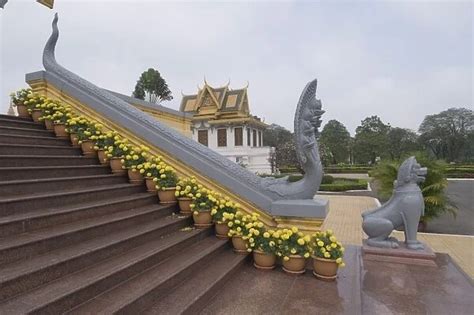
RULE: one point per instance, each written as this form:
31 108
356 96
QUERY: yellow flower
163 176
266 235
293 251
327 255
306 255
286 258
294 229
332 239
342 265
320 243
333 245
301 241
339 260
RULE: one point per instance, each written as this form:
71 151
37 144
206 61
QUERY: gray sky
400 60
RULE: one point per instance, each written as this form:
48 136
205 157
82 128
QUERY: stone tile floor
363 287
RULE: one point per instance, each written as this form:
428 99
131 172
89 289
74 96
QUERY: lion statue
404 208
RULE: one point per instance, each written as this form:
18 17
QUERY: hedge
344 184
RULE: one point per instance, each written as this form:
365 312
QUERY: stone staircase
75 238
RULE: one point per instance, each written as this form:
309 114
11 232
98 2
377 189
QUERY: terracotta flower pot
296 264
222 230
166 195
240 245
116 166
87 147
74 140
102 157
48 123
325 269
150 185
185 205
36 114
202 219
262 260
22 111
60 131
135 177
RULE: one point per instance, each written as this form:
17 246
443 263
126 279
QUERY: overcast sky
400 60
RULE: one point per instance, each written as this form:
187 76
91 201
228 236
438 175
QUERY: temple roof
216 100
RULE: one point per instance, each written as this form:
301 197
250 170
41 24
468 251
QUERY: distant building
222 121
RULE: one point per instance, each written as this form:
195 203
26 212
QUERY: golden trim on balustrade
305 224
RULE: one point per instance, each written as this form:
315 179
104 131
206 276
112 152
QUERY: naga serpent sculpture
261 191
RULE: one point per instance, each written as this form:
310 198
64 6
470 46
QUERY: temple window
221 137
248 137
254 138
238 136
203 137
259 138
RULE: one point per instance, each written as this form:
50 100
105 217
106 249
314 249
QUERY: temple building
221 120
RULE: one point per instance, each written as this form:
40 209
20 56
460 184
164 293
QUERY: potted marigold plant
293 248
60 118
49 108
186 188
102 141
327 255
18 99
151 173
115 154
166 183
204 201
87 137
134 161
74 125
240 226
221 217
264 247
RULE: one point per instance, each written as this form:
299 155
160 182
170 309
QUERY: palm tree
433 188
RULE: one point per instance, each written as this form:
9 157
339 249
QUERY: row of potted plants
207 207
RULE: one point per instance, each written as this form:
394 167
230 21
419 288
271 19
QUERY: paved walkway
344 218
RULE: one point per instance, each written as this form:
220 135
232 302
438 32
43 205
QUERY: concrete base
402 255
305 208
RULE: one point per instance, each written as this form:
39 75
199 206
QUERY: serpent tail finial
49 59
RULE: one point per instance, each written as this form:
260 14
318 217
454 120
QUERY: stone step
34 186
33 140
27 245
38 172
16 117
67 292
19 277
134 295
28 149
21 204
26 131
20 123
45 160
197 291
30 221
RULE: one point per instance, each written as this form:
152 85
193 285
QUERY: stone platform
363 287
402 254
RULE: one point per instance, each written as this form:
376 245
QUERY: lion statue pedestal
404 209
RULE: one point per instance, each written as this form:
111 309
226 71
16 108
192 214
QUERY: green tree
401 141
336 140
153 87
371 140
447 134
283 141
433 188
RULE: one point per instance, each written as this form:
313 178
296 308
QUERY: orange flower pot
135 177
167 196
60 131
102 157
262 260
48 123
202 219
185 205
116 166
74 140
240 245
36 114
222 230
296 264
22 111
150 185
87 147
325 269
